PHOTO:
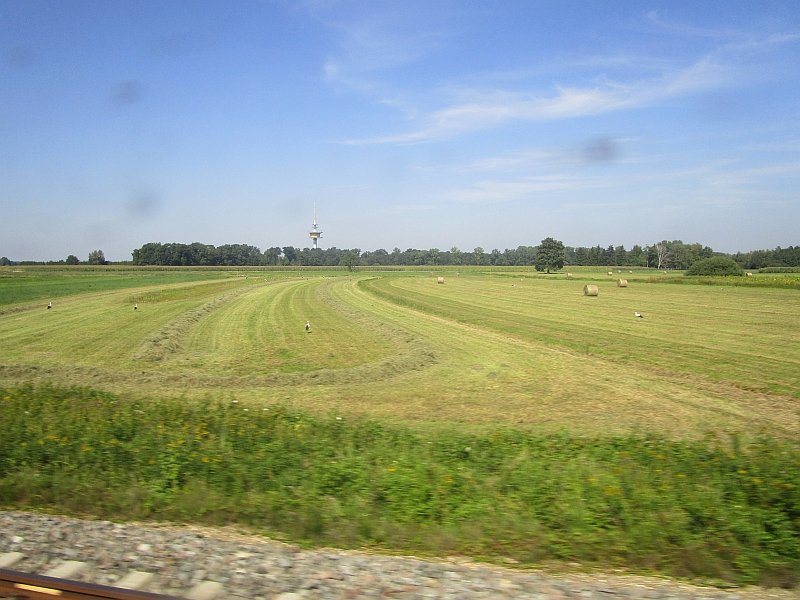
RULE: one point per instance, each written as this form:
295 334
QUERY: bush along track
714 508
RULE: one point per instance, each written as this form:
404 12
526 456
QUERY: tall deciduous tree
96 257
662 253
349 260
550 255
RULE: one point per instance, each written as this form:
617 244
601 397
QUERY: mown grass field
667 442
25 284
488 347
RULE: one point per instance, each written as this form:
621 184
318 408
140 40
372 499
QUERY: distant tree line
198 255
96 257
759 259
665 254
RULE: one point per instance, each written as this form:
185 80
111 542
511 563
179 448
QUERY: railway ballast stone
182 558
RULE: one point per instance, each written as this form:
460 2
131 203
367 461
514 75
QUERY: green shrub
779 270
717 266
712 508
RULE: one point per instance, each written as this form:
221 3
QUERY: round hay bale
619 270
569 275
590 290
664 272
622 283
749 274
611 272
441 280
631 272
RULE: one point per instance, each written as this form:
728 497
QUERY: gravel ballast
248 566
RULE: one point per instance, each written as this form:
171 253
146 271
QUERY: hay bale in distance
590 290
441 280
749 274
622 283
611 272
631 272
569 275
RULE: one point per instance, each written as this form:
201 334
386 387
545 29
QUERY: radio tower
315 234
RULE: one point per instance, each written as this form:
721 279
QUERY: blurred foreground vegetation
718 509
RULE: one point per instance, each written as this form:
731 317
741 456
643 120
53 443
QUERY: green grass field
28 284
501 414
488 347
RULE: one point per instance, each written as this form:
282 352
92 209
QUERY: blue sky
410 124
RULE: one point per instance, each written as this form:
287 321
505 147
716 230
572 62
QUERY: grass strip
782 282
167 340
34 285
715 508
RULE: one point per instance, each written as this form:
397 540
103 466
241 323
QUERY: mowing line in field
474 352
725 335
486 373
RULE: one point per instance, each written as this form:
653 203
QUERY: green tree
550 255
96 257
289 254
581 256
636 257
72 260
349 260
272 256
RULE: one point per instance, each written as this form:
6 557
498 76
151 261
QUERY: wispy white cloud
495 108
780 146
658 18
504 191
638 80
534 160
734 37
374 37
509 164
537 175
750 175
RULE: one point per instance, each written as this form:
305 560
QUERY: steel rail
42 587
